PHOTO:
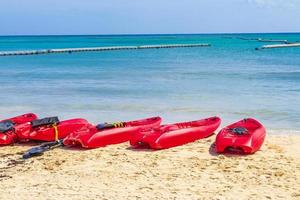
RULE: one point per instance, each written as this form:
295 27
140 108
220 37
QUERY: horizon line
147 34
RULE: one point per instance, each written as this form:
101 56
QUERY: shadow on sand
229 152
141 149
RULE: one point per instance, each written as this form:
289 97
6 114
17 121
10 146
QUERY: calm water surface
229 79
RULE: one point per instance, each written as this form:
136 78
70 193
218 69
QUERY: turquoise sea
229 79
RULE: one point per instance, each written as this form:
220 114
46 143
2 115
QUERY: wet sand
193 171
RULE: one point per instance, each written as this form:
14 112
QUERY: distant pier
286 43
273 46
263 40
85 49
270 40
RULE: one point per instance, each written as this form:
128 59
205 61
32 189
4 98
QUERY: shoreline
192 171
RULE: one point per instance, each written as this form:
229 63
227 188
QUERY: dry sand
192 171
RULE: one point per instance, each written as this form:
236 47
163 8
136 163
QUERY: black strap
44 121
104 126
112 125
6 126
38 151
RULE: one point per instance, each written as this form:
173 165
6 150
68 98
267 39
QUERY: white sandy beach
192 171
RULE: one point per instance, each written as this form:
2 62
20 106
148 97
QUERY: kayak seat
239 130
44 121
6 126
104 126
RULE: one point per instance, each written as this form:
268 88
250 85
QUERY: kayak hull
172 135
28 117
26 132
10 136
247 143
90 137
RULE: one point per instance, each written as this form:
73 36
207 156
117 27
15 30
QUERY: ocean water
229 79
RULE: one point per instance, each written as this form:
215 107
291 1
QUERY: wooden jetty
85 49
273 46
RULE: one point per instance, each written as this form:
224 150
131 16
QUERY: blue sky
38 17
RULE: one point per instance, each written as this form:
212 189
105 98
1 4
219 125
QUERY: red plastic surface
90 137
172 135
10 137
25 132
247 143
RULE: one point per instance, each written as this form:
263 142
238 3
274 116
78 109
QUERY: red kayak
107 134
28 117
48 129
7 133
172 135
245 136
